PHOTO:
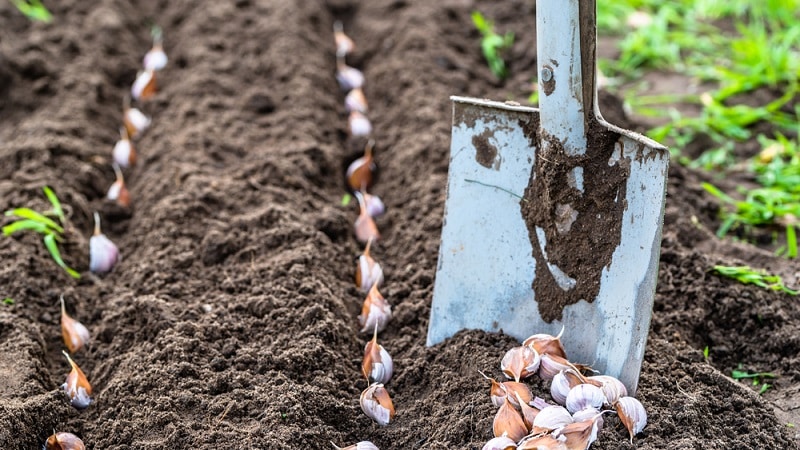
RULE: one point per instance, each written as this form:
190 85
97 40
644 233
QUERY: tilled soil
231 320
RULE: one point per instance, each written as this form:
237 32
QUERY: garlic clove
155 59
76 386
500 443
520 362
344 44
559 387
612 388
547 344
632 414
541 442
508 422
500 390
578 435
365 227
118 191
355 100
368 271
124 152
144 87
134 120
528 412
584 396
539 403
374 204
103 254
74 333
64 441
359 124
377 405
375 312
377 365
348 77
363 445
551 418
590 413
360 173
551 364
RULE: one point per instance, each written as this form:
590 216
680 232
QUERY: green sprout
493 44
756 377
747 275
8 301
33 10
42 223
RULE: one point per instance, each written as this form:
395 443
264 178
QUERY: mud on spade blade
553 216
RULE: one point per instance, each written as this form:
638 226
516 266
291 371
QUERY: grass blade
57 210
52 247
27 213
25 224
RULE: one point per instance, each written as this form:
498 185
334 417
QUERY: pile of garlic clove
525 422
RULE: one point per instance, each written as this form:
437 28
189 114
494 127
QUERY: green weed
756 377
747 275
33 10
492 44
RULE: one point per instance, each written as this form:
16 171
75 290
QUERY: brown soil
231 320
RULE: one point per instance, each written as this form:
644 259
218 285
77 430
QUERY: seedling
747 275
33 10
492 44
41 222
8 301
756 377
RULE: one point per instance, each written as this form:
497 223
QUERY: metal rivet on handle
547 74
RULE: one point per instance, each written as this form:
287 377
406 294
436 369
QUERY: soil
231 320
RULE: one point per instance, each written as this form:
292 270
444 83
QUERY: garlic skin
632 414
64 441
508 422
103 254
578 435
344 44
358 124
368 271
612 388
76 386
377 365
520 362
144 87
500 443
135 121
552 418
377 405
547 344
348 77
74 333
355 100
375 312
584 396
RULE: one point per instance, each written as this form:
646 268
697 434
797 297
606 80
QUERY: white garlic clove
375 312
559 387
377 365
547 344
578 435
551 418
584 396
508 422
377 405
355 100
76 386
344 44
374 204
135 121
74 333
360 172
349 77
124 153
368 271
632 414
590 413
359 124
118 192
550 365
500 443
520 362
103 254
363 445
144 87
541 442
612 388
365 227
64 441
155 59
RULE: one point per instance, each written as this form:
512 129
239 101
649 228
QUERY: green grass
33 10
493 45
41 222
747 275
757 378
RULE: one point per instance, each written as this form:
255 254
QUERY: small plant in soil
493 45
33 10
747 275
42 223
756 377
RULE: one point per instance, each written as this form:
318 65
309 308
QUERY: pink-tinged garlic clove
76 386
64 441
541 442
374 205
135 121
344 44
547 344
612 388
584 396
550 365
74 333
368 271
500 443
590 413
103 254
377 365
358 124
551 418
118 192
375 312
360 173
355 100
124 152
365 228
377 404
520 362
508 422
144 87
632 414
578 435
348 77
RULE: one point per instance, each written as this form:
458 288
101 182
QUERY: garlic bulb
76 386
375 312
144 87
584 396
500 443
355 100
377 365
552 418
377 405
124 152
520 362
632 414
348 77
365 228
508 422
363 445
359 124
547 344
103 254
612 388
134 120
368 271
344 44
118 191
75 335
64 441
